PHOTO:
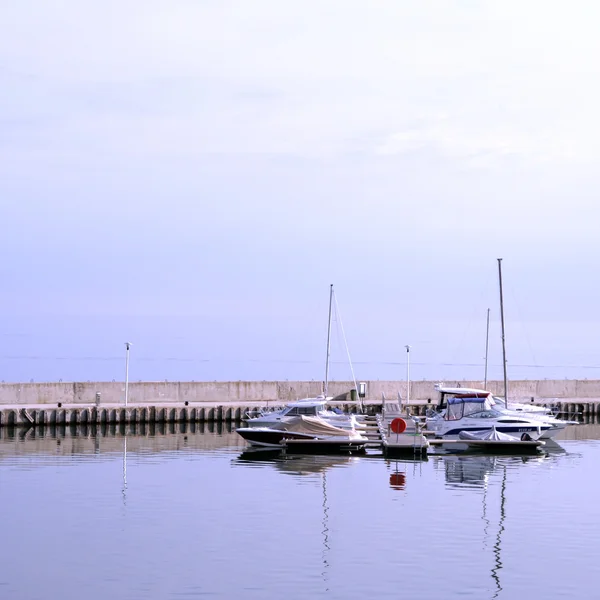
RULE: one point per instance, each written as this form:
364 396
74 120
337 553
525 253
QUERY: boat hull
535 431
513 448
270 438
326 446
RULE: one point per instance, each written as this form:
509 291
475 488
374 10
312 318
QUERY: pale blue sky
193 175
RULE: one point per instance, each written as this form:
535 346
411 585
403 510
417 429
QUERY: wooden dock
378 429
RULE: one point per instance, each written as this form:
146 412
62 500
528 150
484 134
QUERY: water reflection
113 429
489 475
302 465
325 533
89 441
472 470
293 464
124 471
495 572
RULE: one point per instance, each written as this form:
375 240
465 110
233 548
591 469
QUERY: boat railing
259 412
431 412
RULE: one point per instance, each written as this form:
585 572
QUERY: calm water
191 515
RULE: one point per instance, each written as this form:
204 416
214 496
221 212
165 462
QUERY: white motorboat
475 405
541 416
309 407
311 433
533 409
475 412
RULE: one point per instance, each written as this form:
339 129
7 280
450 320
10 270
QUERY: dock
379 430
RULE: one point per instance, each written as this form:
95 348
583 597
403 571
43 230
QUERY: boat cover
314 425
487 434
465 399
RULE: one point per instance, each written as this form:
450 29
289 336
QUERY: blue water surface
195 515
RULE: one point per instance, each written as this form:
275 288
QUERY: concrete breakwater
60 403
240 392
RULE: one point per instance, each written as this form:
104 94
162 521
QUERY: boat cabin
470 406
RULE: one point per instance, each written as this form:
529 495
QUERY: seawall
242 392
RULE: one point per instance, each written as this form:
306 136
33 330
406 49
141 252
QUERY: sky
191 176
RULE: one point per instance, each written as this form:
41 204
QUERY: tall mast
503 343
487 345
328 340
407 374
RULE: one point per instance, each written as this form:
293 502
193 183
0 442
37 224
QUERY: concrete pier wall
241 392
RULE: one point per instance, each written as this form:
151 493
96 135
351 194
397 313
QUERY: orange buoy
398 425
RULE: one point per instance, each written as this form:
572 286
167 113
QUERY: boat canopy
467 399
320 401
460 390
471 406
313 426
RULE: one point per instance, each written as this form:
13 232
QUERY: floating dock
490 446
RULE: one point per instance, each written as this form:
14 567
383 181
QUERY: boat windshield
297 411
479 408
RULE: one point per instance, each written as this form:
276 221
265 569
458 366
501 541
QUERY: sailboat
307 423
477 411
309 407
540 413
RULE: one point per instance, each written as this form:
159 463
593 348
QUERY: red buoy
398 481
398 425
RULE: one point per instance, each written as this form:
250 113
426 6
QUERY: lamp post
127 346
407 374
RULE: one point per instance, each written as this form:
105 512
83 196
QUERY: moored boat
490 441
550 424
312 432
309 407
475 413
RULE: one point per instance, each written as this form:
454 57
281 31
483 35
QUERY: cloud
478 147
303 79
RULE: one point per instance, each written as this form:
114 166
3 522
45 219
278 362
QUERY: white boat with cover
471 406
491 441
497 404
309 407
313 431
475 413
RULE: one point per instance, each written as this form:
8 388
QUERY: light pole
407 374
127 346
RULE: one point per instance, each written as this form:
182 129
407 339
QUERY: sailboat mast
328 341
503 342
487 346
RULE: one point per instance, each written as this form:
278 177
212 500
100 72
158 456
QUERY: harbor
256 341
